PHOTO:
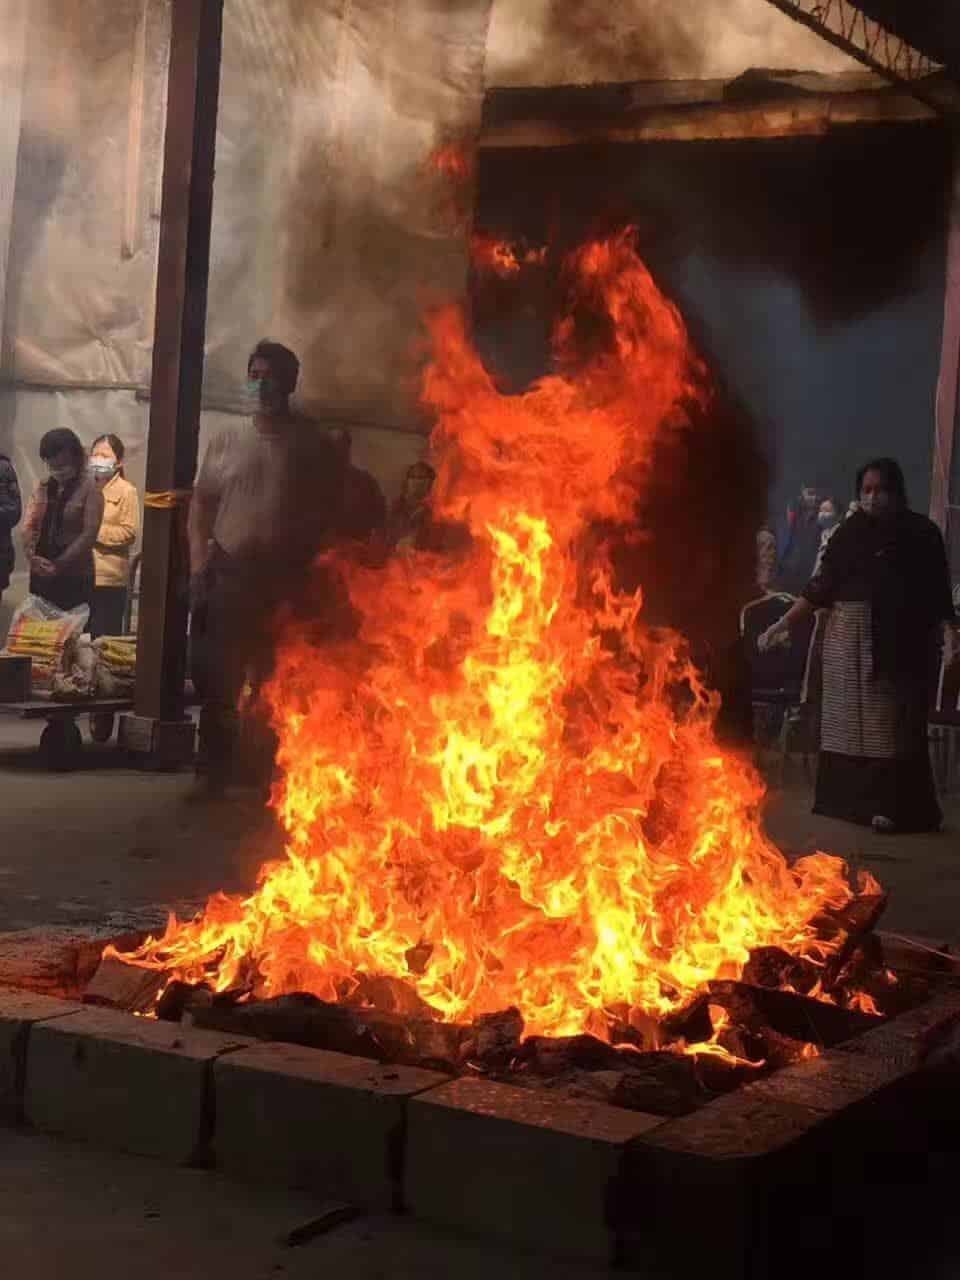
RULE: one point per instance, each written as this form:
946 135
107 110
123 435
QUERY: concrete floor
107 848
70 1211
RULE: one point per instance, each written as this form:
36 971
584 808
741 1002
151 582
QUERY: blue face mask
260 389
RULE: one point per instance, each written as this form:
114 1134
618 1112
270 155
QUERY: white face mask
103 468
62 475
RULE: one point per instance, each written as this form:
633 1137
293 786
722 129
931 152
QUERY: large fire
505 789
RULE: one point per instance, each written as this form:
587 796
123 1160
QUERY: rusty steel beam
178 352
848 27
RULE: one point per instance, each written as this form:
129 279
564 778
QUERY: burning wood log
691 1024
774 967
760 1010
555 1055
304 1019
318 1024
389 995
178 998
494 1040
117 985
846 928
663 1084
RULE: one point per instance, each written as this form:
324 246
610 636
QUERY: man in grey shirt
267 495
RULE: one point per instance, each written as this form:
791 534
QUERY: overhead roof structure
759 104
911 41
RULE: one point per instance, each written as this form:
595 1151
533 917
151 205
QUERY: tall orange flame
506 788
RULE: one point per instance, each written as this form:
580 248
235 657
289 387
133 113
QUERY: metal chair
943 727
780 677
131 615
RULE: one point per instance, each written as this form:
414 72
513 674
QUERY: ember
505 792
501 257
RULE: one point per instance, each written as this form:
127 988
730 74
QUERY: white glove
774 636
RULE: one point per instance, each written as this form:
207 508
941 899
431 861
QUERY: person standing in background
410 513
885 582
364 513
802 542
118 534
62 522
766 557
267 495
828 520
11 509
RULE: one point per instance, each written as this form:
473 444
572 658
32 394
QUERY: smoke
544 42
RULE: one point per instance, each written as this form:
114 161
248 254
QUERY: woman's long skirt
874 756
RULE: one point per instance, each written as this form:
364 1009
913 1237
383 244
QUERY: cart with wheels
61 742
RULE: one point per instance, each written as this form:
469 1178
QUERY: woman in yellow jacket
118 533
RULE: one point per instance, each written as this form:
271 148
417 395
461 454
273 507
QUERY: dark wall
810 272
811 275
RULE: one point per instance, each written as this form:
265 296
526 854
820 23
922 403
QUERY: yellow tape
167 500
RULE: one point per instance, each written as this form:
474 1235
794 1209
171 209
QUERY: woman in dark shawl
884 578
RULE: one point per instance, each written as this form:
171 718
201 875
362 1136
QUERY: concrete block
19 1011
715 1175
125 1083
907 1041
740 1127
830 1083
518 1165
314 1120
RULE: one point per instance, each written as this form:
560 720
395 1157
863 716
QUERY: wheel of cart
61 744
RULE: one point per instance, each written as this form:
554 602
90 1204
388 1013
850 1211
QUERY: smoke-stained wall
549 42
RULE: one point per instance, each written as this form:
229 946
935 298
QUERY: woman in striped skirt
885 581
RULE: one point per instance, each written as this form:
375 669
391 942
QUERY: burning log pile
783 1010
514 846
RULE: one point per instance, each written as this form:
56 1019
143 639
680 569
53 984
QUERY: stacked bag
49 637
116 666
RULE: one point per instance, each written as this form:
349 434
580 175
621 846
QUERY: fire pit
733 1033
517 859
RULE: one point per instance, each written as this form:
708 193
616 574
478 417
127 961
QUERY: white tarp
331 228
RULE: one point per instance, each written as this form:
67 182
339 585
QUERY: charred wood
845 928
774 967
555 1055
663 1084
178 998
798 1017
117 985
494 1039
691 1024
389 995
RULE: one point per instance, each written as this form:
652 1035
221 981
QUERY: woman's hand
778 634
42 567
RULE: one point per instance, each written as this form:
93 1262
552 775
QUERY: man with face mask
267 493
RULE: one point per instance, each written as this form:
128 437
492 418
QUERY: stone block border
562 1177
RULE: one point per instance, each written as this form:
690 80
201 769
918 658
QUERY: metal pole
178 351
943 495
13 14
